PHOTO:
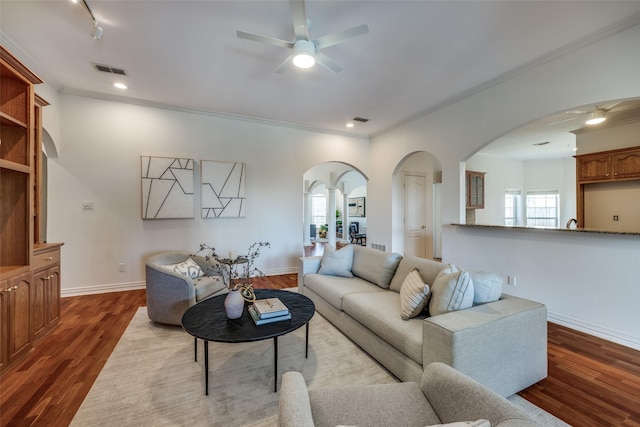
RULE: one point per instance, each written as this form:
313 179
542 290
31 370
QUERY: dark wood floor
591 382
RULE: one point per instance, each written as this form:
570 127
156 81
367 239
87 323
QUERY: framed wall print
167 187
357 207
222 189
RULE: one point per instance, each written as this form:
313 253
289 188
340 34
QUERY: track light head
97 31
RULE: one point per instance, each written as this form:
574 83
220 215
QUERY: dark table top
208 321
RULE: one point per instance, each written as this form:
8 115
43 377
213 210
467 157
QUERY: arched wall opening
416 221
338 184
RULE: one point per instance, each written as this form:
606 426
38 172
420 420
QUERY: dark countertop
552 230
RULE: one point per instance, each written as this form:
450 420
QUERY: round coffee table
208 321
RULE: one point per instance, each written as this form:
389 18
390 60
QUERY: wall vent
360 119
379 246
109 69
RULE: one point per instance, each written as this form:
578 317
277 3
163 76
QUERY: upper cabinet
475 190
17 138
623 164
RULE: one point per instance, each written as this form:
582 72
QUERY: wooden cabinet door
18 303
594 168
475 190
38 304
53 295
626 165
4 321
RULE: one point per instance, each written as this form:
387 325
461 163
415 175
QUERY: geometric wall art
167 187
223 189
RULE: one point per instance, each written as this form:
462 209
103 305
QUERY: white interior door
417 233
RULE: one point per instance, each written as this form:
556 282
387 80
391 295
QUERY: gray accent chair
170 294
444 396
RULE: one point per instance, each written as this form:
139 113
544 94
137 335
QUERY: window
542 209
319 210
511 207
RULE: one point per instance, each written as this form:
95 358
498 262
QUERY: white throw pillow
414 295
337 263
451 292
189 268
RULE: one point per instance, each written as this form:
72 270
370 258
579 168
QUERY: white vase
234 304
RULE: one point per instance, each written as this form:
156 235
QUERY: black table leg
195 348
275 364
206 368
306 349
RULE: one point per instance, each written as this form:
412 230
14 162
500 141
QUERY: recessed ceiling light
349 125
120 85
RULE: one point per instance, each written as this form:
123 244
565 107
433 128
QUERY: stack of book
268 310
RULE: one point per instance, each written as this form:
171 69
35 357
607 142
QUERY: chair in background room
356 237
175 281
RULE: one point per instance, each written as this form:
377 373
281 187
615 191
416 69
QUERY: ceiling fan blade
285 64
264 39
340 36
325 62
299 15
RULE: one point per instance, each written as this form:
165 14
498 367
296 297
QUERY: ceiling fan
306 52
593 116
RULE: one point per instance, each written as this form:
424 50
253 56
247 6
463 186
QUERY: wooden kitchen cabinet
606 166
623 164
475 189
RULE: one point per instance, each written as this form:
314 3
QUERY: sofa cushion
375 266
487 287
337 263
414 295
428 268
207 286
401 404
332 289
378 311
451 291
187 267
477 423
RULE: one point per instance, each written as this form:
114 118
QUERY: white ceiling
417 56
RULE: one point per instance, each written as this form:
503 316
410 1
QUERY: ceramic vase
234 304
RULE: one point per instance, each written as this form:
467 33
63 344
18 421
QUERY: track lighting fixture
97 29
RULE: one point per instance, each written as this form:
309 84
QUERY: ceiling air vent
360 119
109 69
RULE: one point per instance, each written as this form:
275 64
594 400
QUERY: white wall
100 161
607 69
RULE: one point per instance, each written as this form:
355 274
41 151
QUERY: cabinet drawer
46 259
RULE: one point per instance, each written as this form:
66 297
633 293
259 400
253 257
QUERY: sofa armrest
294 407
502 344
307 265
456 397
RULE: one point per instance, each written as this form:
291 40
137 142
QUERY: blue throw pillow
337 263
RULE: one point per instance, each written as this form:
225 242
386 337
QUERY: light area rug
151 378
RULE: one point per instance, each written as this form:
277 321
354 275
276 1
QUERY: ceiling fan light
596 116
304 54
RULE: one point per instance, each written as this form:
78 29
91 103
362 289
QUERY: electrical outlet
87 206
122 267
511 281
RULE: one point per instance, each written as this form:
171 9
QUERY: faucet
572 220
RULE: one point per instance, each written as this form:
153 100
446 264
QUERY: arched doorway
331 186
416 215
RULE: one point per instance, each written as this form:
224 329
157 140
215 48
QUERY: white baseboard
598 331
101 289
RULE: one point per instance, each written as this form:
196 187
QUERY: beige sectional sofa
501 344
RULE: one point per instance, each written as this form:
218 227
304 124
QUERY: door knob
423 227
